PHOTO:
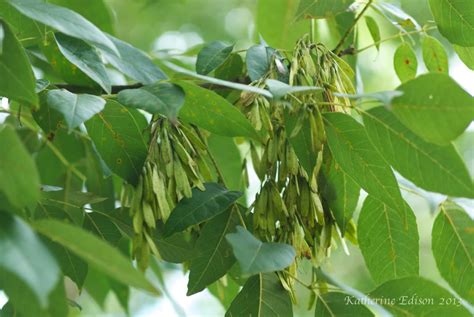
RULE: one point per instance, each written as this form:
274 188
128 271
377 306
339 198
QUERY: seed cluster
176 163
290 208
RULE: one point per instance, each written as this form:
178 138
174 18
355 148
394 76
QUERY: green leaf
117 133
101 225
17 81
71 265
228 158
218 81
416 296
388 241
27 31
26 258
231 69
453 248
65 21
19 180
455 20
208 110
212 254
163 98
280 89
435 107
466 54
355 154
76 109
86 58
434 55
134 63
255 256
405 62
258 61
98 253
175 249
373 30
314 9
96 11
97 182
202 206
301 142
340 192
429 166
262 296
279 28
212 56
339 304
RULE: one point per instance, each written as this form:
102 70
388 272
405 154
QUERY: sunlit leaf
434 55
453 248
455 20
435 107
388 241
432 167
405 62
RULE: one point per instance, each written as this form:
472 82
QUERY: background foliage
92 91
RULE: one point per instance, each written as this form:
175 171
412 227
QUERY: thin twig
351 28
399 35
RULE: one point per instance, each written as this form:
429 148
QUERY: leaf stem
351 28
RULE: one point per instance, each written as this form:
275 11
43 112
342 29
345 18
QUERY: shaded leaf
18 246
435 107
405 62
98 253
17 81
340 192
75 108
432 167
434 55
86 58
208 110
202 206
355 154
212 254
262 296
177 248
231 69
211 56
19 179
160 98
117 133
258 61
388 241
453 248
255 256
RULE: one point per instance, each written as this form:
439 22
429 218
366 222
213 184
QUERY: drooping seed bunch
176 163
289 207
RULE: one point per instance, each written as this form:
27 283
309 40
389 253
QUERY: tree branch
351 28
